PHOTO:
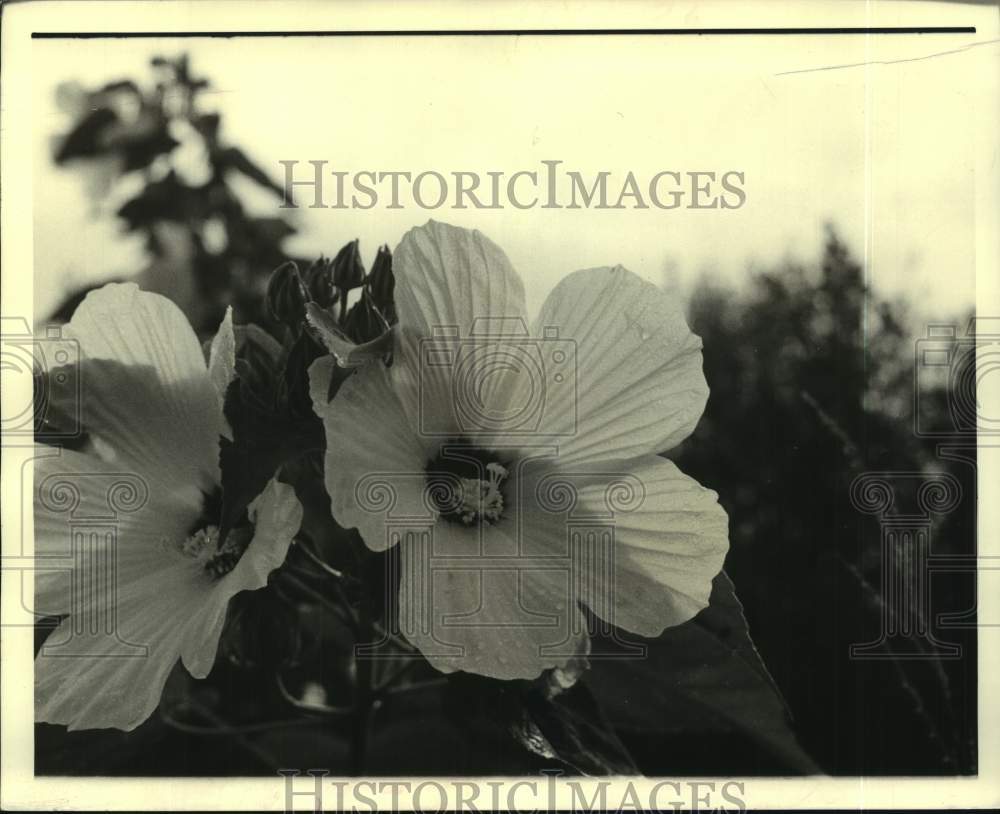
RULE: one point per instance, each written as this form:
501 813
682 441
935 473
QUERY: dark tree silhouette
206 251
812 384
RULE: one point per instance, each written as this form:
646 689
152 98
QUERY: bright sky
887 145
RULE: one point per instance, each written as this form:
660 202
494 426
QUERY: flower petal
454 287
87 680
277 515
107 538
146 393
475 605
446 277
81 504
164 607
639 387
667 538
374 464
222 364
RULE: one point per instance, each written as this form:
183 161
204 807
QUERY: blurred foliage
156 147
812 382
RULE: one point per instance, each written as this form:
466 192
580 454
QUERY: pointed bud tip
287 295
348 270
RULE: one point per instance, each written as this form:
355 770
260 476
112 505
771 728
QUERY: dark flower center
466 484
202 542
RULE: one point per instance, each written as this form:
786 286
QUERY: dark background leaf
702 678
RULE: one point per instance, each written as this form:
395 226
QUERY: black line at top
502 32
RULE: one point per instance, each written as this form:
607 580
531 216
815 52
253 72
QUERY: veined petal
647 540
222 364
277 515
639 387
474 604
375 464
157 607
93 518
447 277
113 679
107 546
455 289
146 393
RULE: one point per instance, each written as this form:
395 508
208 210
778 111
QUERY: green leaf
703 677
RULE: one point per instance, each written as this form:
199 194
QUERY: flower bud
381 285
287 295
319 282
258 367
348 271
364 323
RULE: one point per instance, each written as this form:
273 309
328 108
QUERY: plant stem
395 677
333 572
365 696
343 611
343 307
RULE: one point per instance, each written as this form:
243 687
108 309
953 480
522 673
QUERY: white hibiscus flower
520 474
153 414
